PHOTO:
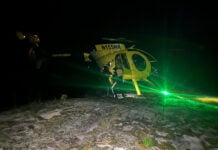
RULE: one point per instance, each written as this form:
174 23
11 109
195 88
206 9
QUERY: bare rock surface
99 123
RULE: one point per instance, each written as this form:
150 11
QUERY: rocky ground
102 123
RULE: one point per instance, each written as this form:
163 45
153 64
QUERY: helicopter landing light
165 93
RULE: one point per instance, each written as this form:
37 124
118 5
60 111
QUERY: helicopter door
134 65
139 64
121 62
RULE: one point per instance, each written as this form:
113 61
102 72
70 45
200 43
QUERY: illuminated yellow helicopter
136 64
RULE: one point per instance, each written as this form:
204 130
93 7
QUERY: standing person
118 79
24 61
109 80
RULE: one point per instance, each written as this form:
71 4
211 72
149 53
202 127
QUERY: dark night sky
66 21
182 35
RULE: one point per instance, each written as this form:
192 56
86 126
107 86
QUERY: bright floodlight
165 92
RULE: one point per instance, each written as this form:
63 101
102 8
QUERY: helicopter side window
124 61
139 62
118 61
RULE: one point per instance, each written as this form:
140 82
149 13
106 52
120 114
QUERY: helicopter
136 64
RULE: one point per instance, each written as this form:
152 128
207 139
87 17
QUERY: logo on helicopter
110 47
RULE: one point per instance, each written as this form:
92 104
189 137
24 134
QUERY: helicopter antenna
132 47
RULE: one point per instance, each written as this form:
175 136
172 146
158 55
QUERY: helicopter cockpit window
139 62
